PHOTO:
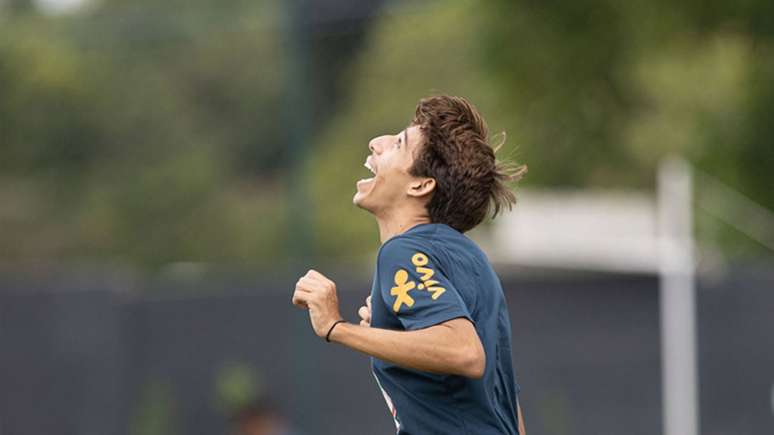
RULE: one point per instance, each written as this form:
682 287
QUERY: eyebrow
405 137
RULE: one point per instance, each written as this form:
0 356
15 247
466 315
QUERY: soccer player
436 323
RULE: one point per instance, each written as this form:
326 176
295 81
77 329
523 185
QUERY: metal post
677 299
298 112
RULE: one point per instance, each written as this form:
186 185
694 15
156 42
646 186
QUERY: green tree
142 133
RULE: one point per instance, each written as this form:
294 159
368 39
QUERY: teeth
367 165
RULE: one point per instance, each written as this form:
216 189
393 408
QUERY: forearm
450 347
426 350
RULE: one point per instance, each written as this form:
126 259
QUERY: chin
363 195
359 201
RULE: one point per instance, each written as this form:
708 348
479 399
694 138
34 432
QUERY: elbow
472 362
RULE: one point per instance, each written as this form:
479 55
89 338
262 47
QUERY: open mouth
371 167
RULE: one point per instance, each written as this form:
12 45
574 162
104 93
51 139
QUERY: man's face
390 160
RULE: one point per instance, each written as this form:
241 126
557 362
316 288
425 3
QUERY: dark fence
92 357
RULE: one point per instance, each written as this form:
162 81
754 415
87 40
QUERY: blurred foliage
591 93
142 131
157 411
236 385
150 132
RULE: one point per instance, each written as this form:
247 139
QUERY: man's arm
451 347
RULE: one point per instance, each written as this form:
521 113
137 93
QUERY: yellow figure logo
401 290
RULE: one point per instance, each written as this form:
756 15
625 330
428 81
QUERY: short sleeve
413 287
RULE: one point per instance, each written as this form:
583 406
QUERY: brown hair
469 181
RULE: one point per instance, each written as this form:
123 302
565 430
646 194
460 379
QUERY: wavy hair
470 181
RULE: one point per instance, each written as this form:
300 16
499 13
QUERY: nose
375 145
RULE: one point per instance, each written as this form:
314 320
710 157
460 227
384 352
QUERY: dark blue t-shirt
425 276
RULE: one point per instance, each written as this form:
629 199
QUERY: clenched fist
317 294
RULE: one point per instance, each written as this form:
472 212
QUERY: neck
398 223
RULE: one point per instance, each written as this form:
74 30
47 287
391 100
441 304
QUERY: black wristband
328 335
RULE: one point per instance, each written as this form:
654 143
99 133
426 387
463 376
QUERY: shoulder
403 247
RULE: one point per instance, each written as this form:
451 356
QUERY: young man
436 323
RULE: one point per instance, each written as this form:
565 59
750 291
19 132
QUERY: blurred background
169 169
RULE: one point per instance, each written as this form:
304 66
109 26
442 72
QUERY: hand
317 293
365 313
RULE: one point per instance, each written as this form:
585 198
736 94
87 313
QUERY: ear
421 187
